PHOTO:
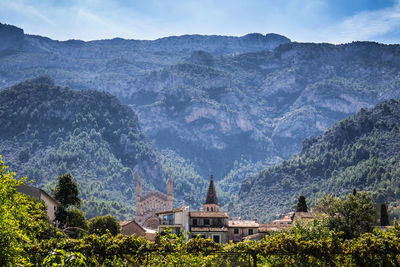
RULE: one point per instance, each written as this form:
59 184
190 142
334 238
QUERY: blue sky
333 21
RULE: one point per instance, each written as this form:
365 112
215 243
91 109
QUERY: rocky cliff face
260 105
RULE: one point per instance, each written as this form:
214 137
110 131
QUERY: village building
239 229
132 227
147 205
211 222
177 220
282 223
39 194
303 217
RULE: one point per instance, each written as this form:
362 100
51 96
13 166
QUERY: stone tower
138 194
170 190
148 204
211 203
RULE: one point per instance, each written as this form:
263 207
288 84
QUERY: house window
206 221
194 221
216 238
169 219
250 231
207 208
235 231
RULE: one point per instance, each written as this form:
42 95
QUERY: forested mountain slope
47 130
360 152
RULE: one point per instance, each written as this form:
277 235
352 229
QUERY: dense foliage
359 152
302 245
23 221
101 225
352 216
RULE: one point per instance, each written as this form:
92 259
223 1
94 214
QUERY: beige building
132 227
147 205
302 217
176 219
239 229
40 194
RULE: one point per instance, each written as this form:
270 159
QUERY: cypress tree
384 215
302 205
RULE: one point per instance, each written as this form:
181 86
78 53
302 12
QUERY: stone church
147 205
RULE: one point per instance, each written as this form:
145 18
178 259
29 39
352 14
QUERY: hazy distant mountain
360 152
223 105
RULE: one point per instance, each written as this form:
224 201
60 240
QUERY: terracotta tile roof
240 223
209 229
208 214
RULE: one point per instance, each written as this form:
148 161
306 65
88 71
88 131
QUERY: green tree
22 219
100 224
301 204
384 215
66 193
77 218
76 222
353 215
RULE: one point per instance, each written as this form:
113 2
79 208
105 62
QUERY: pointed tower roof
211 194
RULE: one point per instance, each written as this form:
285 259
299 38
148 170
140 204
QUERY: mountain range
230 106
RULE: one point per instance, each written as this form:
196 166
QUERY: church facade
147 205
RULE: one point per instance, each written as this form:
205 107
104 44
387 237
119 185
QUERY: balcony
166 222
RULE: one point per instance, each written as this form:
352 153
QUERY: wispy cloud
366 25
335 21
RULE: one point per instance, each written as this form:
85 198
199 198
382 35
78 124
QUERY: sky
331 21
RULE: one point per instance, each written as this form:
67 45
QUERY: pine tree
302 205
384 215
66 193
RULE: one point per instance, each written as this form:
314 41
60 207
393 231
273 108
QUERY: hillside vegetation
360 152
47 130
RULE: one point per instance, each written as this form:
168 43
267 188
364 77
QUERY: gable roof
125 223
211 194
